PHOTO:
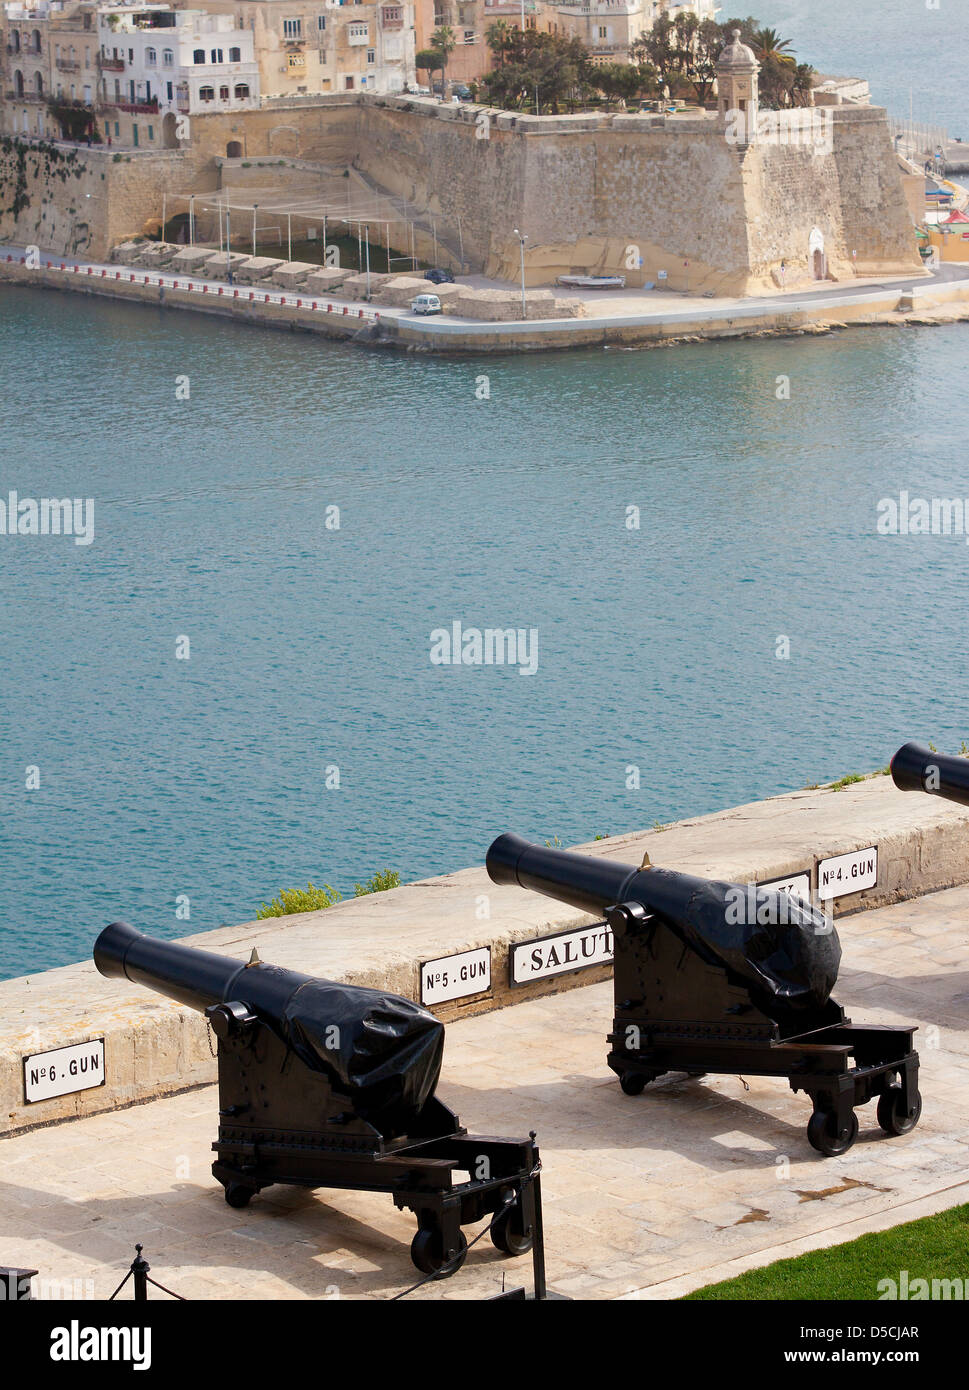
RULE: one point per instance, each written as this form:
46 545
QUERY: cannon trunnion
329 1085
727 978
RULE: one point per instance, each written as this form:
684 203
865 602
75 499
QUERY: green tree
496 37
442 43
426 60
804 75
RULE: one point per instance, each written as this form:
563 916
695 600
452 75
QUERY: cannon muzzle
916 768
385 1051
782 949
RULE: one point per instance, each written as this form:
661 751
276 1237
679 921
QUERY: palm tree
496 37
768 45
442 43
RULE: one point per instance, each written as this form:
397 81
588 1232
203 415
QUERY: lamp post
366 232
228 242
521 244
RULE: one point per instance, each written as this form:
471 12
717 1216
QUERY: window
151 132
371 55
223 93
198 56
170 91
168 58
242 91
235 55
358 33
292 28
470 36
206 94
216 55
321 22
117 129
602 31
151 57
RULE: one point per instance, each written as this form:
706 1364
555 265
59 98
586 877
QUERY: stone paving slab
645 1197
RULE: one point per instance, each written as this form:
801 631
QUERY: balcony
112 64
68 65
136 108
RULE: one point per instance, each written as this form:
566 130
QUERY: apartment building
308 47
46 50
156 61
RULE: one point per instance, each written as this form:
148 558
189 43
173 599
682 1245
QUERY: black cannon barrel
916 768
776 944
384 1049
196 978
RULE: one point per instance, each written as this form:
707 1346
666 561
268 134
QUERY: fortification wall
592 193
82 202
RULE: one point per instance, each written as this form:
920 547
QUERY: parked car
439 277
425 304
461 91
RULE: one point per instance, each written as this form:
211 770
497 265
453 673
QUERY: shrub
380 883
308 899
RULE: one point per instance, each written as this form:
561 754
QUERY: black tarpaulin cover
778 945
383 1050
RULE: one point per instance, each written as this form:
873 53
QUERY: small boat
592 282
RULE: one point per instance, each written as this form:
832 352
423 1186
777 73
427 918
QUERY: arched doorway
816 255
18 84
169 126
233 149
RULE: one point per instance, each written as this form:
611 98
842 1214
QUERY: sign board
554 955
797 885
65 1069
456 977
848 873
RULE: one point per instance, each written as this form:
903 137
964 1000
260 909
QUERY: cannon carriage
323 1084
727 978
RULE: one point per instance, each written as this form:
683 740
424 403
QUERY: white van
426 304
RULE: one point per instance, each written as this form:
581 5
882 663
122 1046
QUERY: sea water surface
205 780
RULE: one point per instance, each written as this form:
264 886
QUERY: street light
366 231
521 243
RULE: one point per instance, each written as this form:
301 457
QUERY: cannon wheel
508 1233
237 1194
633 1082
892 1115
427 1252
824 1135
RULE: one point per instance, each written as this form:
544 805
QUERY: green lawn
937 1247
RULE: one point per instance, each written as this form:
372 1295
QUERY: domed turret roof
737 55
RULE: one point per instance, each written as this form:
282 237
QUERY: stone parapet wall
154 1046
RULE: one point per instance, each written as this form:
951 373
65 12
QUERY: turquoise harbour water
310 648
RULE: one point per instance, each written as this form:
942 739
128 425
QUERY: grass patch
843 782
934 1248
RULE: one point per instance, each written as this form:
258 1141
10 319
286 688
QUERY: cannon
918 768
731 978
324 1084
